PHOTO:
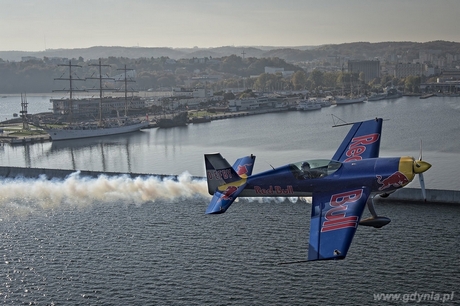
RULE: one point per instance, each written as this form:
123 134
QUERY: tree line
39 76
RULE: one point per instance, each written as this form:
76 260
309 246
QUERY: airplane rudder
243 166
218 172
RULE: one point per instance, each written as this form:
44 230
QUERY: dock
24 140
13 132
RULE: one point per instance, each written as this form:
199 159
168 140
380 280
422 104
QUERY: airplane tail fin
219 172
224 181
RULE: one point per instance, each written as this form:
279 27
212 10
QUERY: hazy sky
34 25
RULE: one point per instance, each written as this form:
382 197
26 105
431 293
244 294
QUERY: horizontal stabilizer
222 200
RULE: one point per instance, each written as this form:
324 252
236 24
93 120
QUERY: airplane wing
362 141
334 219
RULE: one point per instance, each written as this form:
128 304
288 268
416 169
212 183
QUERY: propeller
421 166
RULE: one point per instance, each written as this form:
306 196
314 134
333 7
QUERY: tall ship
339 100
87 130
101 127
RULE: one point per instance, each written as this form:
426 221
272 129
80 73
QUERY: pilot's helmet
305 166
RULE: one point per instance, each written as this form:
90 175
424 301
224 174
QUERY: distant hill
137 52
355 50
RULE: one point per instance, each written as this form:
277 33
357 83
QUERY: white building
237 105
192 92
273 70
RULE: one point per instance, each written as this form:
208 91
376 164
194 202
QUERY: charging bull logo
243 169
228 193
396 180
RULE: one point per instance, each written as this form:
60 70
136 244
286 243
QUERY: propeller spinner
410 167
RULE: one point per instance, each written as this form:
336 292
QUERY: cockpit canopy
315 168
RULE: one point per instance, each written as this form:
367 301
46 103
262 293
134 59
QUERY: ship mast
100 78
71 89
125 79
25 125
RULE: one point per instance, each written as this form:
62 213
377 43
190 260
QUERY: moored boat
308 105
393 93
345 100
173 121
377 96
389 93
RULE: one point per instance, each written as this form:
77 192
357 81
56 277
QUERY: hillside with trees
39 76
355 50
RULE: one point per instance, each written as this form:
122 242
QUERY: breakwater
18 172
432 196
404 194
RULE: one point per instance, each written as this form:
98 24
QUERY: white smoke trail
29 194
22 195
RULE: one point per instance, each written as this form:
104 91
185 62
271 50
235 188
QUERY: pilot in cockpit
306 170
308 173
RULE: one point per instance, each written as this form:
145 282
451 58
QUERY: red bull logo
396 180
336 217
243 169
358 146
274 190
226 195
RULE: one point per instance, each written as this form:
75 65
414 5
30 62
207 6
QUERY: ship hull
77 133
339 101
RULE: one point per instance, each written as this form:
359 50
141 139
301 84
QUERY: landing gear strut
374 220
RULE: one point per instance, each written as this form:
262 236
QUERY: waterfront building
88 107
405 70
371 69
192 92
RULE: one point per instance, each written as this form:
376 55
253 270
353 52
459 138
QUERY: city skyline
65 24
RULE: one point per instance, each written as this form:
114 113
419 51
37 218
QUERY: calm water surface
116 241
276 139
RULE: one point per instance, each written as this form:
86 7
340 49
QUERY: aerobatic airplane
339 187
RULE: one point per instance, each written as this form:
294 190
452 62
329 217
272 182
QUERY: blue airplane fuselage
282 181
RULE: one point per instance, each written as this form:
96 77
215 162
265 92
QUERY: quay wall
404 194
